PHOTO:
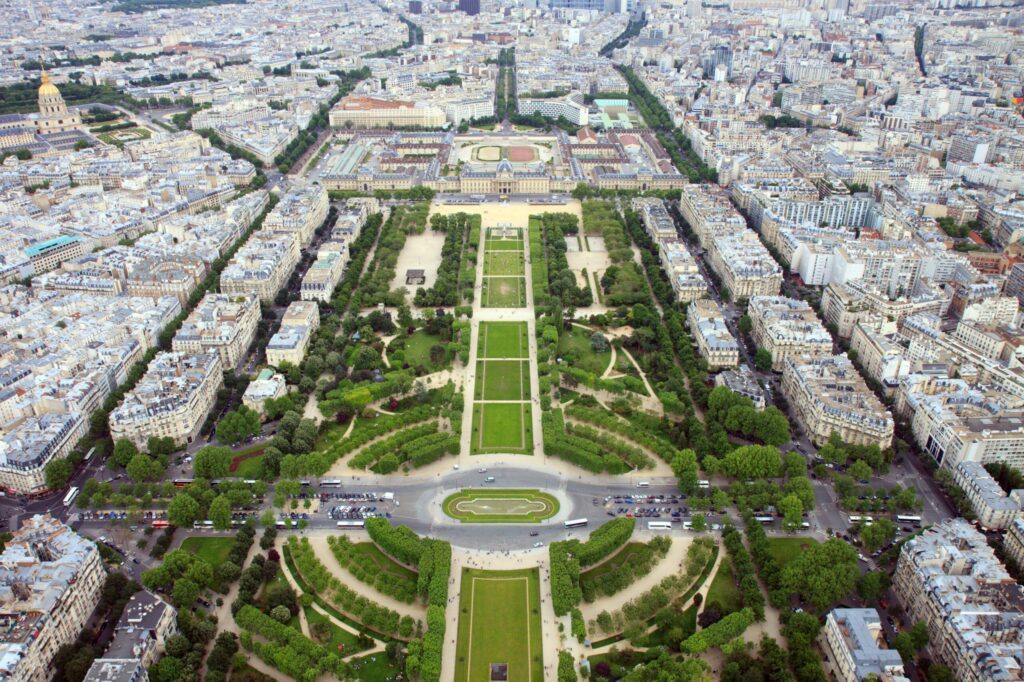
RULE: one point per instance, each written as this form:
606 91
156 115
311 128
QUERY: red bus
182 482
159 523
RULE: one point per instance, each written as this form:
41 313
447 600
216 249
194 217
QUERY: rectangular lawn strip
503 340
724 589
503 264
502 427
501 379
504 292
499 622
213 551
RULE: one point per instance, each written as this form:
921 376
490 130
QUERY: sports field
499 627
504 282
500 506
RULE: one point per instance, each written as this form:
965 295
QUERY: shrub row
606 540
579 451
642 435
376 453
445 291
743 572
725 630
397 586
427 449
398 541
325 584
632 455
379 427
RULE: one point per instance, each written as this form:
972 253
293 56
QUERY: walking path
378 645
673 563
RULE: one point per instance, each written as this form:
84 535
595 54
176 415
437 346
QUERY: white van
643 484
489 479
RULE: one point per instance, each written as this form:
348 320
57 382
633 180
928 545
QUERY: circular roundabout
484 505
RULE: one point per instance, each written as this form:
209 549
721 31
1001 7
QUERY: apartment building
298 325
828 395
854 643
707 210
571 107
715 342
882 352
744 266
372 112
1003 344
221 323
171 400
786 328
323 275
1013 541
33 442
262 266
50 583
266 386
994 508
949 578
741 380
891 267
684 276
140 636
954 422
845 304
299 213
49 254
656 219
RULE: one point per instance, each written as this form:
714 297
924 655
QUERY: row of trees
451 278
561 280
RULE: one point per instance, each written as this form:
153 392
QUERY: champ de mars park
516 494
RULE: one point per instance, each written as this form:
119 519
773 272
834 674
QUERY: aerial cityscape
512 340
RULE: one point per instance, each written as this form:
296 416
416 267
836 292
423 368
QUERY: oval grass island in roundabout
484 505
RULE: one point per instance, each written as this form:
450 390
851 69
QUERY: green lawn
502 380
576 345
375 668
370 553
502 427
504 292
417 351
503 263
503 340
342 642
485 505
499 622
784 549
724 589
248 674
251 467
213 551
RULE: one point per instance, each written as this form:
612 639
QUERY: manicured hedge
725 630
400 587
606 540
